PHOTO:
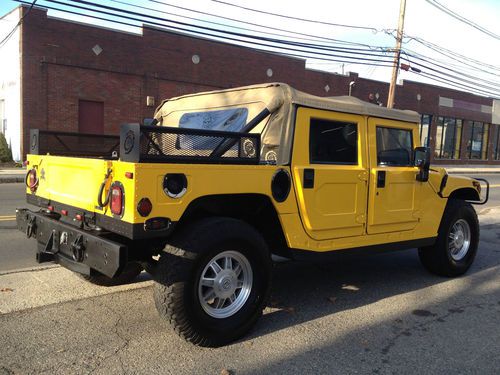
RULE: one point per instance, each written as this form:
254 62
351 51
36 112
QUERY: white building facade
10 81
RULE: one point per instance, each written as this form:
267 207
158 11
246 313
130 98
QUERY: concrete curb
28 289
472 171
7 180
29 269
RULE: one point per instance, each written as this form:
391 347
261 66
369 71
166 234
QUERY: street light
352 83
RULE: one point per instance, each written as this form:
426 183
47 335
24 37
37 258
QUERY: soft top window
233 120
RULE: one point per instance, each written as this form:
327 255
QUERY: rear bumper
73 248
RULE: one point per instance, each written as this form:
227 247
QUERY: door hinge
363 176
360 219
417 214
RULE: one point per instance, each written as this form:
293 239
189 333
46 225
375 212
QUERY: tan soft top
279 99
274 94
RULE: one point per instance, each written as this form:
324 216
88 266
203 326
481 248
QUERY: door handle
380 179
308 178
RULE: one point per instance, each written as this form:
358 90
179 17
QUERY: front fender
461 187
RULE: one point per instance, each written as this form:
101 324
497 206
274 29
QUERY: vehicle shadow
303 292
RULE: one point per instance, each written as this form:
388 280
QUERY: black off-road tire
437 259
129 273
181 266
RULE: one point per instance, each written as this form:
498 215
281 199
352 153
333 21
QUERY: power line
336 58
298 18
234 36
459 86
380 50
492 85
301 50
9 35
457 64
262 26
452 54
471 85
461 18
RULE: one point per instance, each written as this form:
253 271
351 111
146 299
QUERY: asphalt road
18 252
366 315
372 315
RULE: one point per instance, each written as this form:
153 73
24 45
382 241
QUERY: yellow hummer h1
221 180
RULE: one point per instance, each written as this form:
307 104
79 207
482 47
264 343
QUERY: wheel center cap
226 283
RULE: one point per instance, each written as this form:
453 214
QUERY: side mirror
422 159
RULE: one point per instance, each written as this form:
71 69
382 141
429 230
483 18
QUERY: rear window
333 142
231 120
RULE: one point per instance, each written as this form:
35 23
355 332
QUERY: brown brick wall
59 68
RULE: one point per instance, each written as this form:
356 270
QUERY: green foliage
5 151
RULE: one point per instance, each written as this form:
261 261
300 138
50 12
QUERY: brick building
63 75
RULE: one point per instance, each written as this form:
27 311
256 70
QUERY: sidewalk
12 175
30 288
17 174
470 169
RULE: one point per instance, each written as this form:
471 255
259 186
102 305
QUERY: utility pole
397 56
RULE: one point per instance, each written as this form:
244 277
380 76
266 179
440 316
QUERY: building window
333 142
448 138
477 145
394 147
425 126
496 144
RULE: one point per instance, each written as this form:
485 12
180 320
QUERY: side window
333 142
394 147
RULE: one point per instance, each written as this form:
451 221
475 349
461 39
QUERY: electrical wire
239 35
461 18
452 54
262 26
287 48
451 79
454 63
486 83
335 58
261 41
295 35
9 35
298 18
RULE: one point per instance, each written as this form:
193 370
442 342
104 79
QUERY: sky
422 20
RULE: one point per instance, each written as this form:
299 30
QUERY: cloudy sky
473 58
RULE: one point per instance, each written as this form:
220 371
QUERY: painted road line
7 218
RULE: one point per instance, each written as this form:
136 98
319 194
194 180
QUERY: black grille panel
168 144
74 144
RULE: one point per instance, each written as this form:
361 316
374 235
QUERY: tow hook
31 227
78 249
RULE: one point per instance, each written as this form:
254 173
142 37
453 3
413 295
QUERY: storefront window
496 144
425 125
448 138
477 145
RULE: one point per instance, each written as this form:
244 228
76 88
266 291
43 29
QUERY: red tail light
144 207
117 199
